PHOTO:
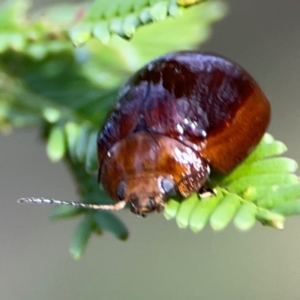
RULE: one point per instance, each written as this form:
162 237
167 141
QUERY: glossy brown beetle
175 118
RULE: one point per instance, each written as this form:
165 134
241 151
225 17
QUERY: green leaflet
245 217
159 11
171 209
202 212
111 223
72 131
254 193
82 143
185 210
273 166
81 236
242 183
101 32
91 163
266 148
131 22
56 146
51 114
224 212
279 195
270 218
288 208
81 33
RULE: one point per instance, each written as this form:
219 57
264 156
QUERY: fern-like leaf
54 29
263 187
106 18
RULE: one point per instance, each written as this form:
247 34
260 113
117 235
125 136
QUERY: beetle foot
205 192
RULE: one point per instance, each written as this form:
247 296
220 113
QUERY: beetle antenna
118 206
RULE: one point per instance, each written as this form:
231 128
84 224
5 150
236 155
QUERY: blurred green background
160 261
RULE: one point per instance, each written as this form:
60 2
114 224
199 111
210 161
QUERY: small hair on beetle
118 206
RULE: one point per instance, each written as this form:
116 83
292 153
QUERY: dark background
160 261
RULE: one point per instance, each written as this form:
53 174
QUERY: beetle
177 118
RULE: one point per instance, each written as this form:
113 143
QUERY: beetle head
146 194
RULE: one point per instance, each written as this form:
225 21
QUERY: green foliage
106 18
263 187
67 92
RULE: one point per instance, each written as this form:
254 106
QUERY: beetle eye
121 190
168 187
